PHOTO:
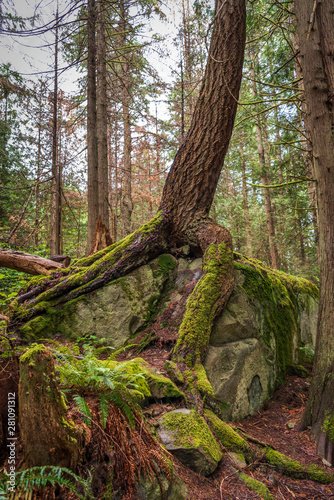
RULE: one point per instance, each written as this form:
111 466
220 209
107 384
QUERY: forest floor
273 425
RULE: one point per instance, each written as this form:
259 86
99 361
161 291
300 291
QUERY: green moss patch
256 486
227 436
277 292
296 469
191 431
28 356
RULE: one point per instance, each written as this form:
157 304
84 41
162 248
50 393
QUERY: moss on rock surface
259 335
187 436
115 312
278 293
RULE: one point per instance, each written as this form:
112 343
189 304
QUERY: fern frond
40 477
104 409
118 400
84 408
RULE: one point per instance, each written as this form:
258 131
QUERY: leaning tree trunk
316 37
183 217
193 178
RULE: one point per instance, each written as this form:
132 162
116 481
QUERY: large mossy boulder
187 436
268 319
115 311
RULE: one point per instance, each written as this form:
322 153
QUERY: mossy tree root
255 485
232 441
92 273
205 303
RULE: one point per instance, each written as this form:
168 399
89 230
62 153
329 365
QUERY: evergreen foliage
39 478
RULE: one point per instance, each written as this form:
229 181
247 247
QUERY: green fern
40 477
104 409
87 374
84 408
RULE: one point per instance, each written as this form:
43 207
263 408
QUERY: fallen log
27 263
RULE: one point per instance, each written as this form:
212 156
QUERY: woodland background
266 195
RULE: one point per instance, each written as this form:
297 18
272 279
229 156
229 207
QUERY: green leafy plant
308 353
11 282
41 477
86 374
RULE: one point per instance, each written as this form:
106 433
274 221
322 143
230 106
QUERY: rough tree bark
316 38
192 180
55 208
101 114
245 200
126 204
91 126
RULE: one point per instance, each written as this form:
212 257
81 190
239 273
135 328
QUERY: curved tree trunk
187 197
316 37
192 181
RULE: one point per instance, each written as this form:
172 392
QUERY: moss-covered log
48 437
91 273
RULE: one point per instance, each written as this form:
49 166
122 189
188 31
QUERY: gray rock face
118 310
171 490
187 436
241 375
243 360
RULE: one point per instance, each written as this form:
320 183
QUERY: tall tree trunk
316 38
193 177
114 226
265 191
305 127
126 205
245 200
101 115
55 227
92 188
38 180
